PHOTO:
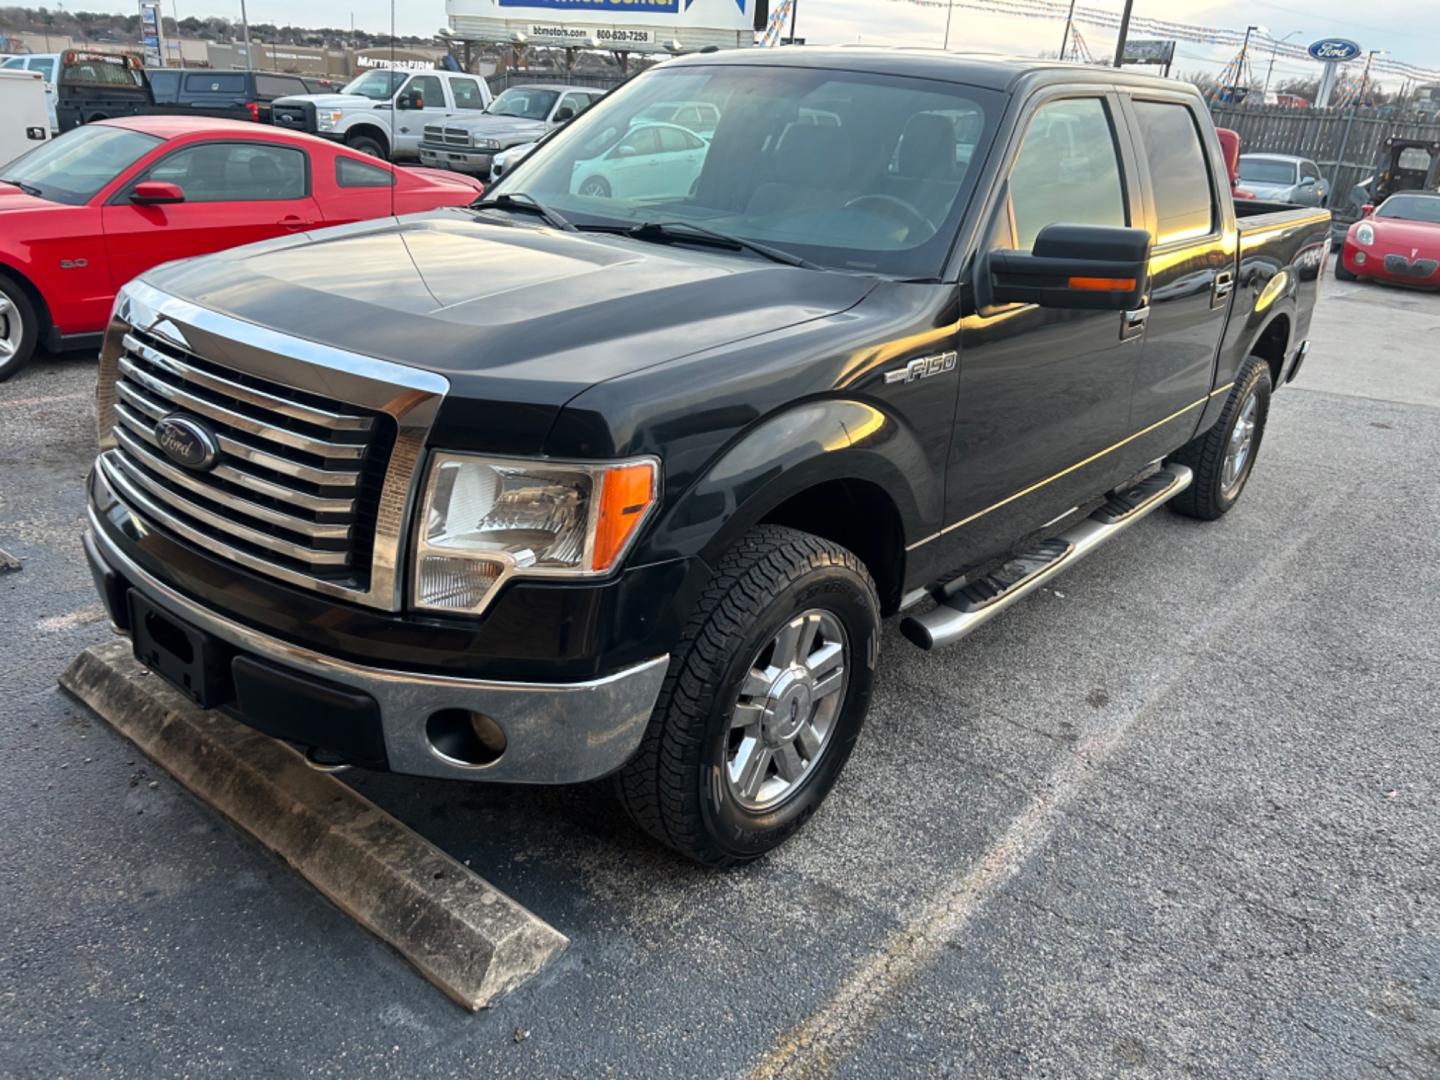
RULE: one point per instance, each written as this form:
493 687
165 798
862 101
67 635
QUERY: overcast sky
1408 29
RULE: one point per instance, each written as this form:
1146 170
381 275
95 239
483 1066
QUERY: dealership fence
1345 143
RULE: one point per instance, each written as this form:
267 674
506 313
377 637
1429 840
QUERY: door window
165 85
427 88
576 103
1179 174
270 87
235 172
1067 171
45 67
467 94
1308 171
640 141
673 140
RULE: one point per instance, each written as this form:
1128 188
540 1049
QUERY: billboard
622 25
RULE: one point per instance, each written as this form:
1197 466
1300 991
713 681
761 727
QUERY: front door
1044 405
235 193
421 101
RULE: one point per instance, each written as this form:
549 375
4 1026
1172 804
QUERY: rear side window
467 94
350 173
1067 171
45 67
1184 204
273 86
207 82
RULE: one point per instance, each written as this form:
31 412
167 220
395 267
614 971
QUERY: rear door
1044 404
1191 269
235 193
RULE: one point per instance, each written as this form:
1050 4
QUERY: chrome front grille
457 137
296 480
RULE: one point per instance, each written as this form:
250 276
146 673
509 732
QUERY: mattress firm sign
630 25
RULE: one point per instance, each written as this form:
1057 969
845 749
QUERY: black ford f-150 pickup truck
567 485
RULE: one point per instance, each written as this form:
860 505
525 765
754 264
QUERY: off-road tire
674 787
24 309
1206 498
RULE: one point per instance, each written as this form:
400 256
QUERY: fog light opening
466 738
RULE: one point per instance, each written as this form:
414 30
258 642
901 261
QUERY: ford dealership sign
1338 50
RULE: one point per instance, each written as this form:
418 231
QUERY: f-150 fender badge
922 368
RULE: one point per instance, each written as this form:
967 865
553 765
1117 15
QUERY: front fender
810 443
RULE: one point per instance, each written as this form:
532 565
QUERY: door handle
1223 287
1133 323
293 222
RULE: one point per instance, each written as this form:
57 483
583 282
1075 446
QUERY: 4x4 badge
923 368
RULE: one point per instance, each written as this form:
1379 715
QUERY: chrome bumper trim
556 733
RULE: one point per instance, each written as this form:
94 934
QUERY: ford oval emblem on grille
186 442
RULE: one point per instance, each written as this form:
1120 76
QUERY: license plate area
190 660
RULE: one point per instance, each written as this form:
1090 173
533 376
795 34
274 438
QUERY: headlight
486 144
1365 234
485 520
327 120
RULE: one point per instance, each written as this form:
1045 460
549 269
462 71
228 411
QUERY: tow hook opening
465 737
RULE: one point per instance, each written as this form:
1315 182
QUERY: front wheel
765 697
368 144
1223 457
1341 274
596 187
19 328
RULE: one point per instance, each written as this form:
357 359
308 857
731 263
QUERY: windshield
848 170
99 69
523 102
1411 208
1261 171
377 85
75 166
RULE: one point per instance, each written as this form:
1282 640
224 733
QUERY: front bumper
555 733
474 162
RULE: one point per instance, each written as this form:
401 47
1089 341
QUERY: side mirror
1094 267
1307 181
1367 209
156 193
412 99
625 151
561 115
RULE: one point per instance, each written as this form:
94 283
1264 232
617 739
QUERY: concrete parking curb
464 935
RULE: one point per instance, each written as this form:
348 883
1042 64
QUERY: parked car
635 503
647 161
84 214
1284 179
46 64
518 117
506 160
234 95
23 119
701 117
1399 241
98 86
382 112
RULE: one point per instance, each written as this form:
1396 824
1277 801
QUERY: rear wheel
19 328
1223 457
368 144
765 697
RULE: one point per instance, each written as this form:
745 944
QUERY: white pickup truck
383 112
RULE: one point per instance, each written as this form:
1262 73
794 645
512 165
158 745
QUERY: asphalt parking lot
1176 814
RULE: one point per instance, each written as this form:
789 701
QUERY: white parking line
824 1040
56 623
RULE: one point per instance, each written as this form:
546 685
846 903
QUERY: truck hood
330 101
519 319
498 127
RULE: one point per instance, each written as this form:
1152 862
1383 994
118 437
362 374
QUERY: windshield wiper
699 234
521 201
28 189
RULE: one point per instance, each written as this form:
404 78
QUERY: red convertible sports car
84 214
1398 241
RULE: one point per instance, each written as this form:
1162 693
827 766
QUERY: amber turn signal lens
626 492
1103 284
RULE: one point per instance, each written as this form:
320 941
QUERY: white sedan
649 161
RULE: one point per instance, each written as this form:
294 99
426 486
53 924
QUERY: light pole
1271 69
1065 37
1365 79
1124 33
245 28
1244 56
949 14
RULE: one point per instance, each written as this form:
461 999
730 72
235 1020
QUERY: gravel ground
1175 814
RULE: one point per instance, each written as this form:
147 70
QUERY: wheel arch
42 309
1272 343
371 130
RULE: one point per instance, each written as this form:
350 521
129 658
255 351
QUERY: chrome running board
971 606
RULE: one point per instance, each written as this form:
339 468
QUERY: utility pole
1065 37
949 13
1244 56
1124 33
1365 79
1271 70
245 28
794 9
